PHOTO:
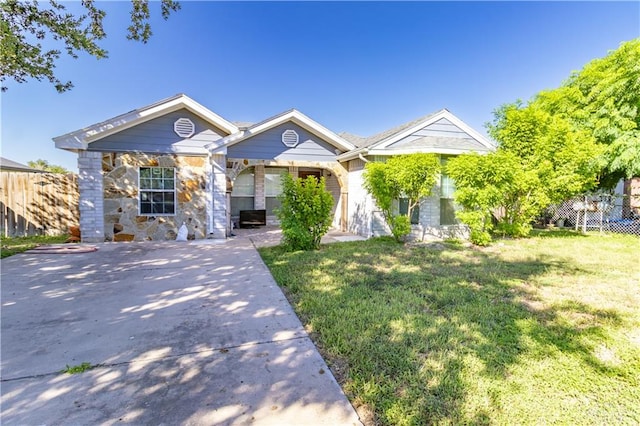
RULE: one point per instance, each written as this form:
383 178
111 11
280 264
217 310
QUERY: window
157 191
243 192
403 208
447 205
273 188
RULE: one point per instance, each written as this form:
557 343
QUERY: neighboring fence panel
603 212
37 203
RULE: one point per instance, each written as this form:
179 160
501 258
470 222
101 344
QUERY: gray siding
268 146
157 136
439 135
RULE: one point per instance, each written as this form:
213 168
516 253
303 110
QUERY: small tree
410 176
305 213
541 159
484 184
41 164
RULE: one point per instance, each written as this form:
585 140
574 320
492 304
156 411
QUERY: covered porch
255 185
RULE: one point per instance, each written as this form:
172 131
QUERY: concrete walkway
191 333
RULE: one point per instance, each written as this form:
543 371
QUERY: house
7 165
144 173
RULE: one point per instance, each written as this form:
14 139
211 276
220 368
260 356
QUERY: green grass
80 368
11 246
544 330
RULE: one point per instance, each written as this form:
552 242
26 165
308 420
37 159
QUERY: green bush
400 226
305 213
410 176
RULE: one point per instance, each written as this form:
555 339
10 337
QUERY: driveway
181 333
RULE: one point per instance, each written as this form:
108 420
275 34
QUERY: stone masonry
122 221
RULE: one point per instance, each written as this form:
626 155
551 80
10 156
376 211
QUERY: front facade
145 173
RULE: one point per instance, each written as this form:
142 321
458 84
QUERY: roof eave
298 118
80 139
446 151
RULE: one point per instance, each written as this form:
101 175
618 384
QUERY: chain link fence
601 212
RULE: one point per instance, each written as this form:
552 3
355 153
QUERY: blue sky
361 67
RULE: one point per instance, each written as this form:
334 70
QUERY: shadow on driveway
181 333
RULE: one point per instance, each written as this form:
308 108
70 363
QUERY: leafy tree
305 212
562 156
41 164
24 24
481 183
410 176
541 159
604 99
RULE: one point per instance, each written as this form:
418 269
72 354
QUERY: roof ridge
385 134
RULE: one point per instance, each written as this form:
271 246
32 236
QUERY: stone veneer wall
121 219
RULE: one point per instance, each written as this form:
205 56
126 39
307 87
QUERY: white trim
184 127
80 139
356 153
451 151
290 138
141 190
293 116
437 116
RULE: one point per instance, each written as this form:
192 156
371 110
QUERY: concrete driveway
182 333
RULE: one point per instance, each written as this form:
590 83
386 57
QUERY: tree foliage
410 176
604 99
41 164
541 159
26 24
563 142
305 212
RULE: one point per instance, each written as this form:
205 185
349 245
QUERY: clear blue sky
357 67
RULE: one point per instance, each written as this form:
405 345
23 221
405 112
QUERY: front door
302 174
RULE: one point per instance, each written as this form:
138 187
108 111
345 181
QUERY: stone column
259 202
219 197
91 190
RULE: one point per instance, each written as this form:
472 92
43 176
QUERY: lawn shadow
415 324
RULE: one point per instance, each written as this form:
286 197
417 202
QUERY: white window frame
151 190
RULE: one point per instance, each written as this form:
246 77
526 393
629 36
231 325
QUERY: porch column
259 202
219 197
91 189
344 211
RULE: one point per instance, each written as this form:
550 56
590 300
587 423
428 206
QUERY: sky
361 67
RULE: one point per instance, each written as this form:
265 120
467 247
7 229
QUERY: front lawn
11 246
543 330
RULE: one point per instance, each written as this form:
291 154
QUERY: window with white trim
273 188
448 206
243 193
157 191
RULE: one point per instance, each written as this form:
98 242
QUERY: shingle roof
6 164
354 139
365 142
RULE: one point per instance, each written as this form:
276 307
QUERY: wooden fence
37 203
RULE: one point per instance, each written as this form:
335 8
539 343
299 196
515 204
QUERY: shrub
410 176
305 213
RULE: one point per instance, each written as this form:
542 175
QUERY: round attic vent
290 138
184 127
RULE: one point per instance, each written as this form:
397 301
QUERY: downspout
360 156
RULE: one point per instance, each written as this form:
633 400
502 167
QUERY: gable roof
80 139
291 115
380 143
14 166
